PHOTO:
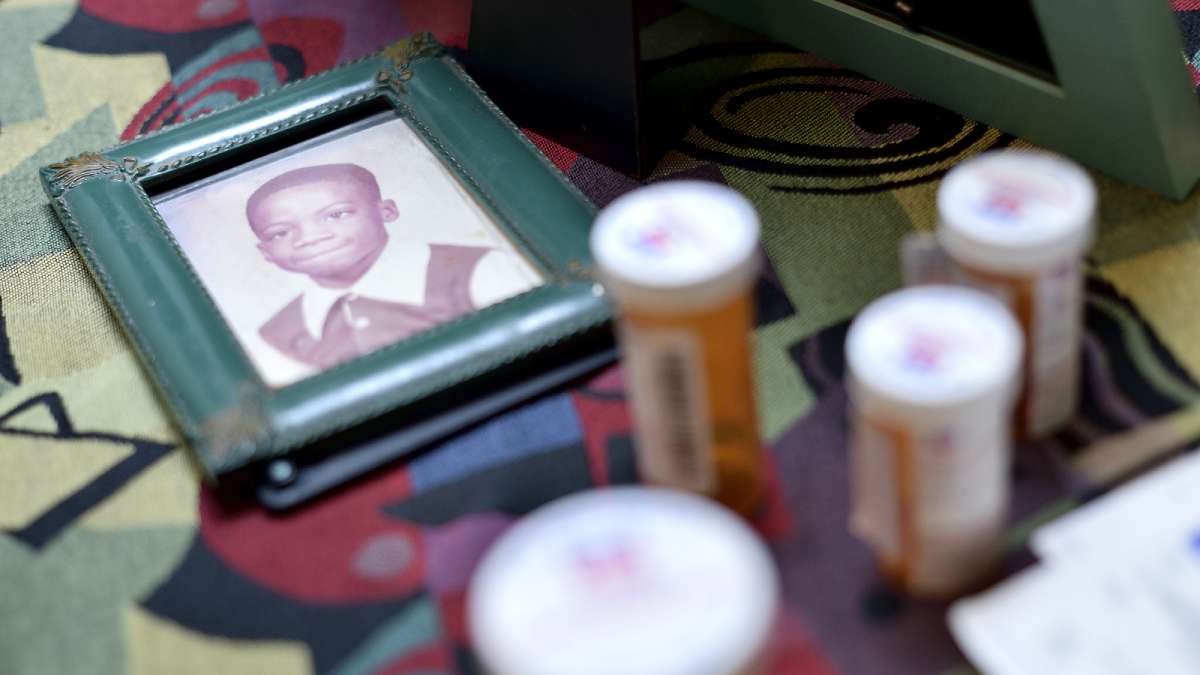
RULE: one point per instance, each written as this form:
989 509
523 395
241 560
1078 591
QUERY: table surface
114 558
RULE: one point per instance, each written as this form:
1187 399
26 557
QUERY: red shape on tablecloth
562 157
318 39
340 548
601 418
169 17
792 650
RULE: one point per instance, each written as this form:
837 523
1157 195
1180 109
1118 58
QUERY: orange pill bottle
1017 224
680 260
932 373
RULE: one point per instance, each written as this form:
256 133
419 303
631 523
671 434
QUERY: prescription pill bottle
680 260
1017 224
933 373
624 581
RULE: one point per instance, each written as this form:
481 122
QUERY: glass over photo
340 246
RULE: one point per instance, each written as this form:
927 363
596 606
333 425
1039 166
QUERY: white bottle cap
1016 211
630 580
677 246
930 349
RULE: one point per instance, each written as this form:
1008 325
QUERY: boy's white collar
398 275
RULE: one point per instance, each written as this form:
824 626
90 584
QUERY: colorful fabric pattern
1188 13
114 558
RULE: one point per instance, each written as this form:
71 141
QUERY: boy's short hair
342 173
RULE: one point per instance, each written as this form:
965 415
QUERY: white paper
1117 592
1156 506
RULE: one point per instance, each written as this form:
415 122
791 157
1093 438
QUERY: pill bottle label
875 516
670 406
1049 308
1054 336
931 502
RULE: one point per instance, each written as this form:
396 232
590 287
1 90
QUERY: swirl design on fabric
888 140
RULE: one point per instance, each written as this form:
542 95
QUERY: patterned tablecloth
114 558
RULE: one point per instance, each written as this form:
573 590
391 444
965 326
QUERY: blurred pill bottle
629 580
933 373
1017 223
680 260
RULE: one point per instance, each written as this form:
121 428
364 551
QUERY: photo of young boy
328 223
345 261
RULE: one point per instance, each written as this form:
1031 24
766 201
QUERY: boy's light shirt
399 276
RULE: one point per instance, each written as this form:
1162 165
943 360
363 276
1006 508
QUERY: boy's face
327 229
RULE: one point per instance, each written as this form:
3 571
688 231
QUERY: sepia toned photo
340 246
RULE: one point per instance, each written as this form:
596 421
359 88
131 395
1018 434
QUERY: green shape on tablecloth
20 30
28 228
783 395
415 626
61 608
833 253
29 231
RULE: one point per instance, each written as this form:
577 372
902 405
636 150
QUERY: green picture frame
1121 99
220 401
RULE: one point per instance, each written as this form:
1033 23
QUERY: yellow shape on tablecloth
64 339
156 645
74 85
164 494
39 472
58 324
89 396
919 203
1164 285
20 4
35 418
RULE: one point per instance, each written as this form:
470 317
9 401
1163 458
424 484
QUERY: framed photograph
343 247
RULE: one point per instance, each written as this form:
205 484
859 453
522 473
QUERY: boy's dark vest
356 325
